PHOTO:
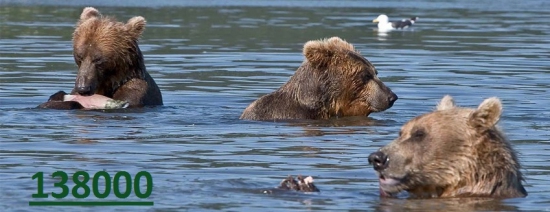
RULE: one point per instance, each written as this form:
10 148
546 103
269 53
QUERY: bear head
337 79
106 52
451 152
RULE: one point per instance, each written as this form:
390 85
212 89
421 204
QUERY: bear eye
366 78
78 57
418 133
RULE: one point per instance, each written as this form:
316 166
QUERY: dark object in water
300 184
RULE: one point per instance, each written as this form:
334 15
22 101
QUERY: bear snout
391 99
379 160
384 97
85 85
84 90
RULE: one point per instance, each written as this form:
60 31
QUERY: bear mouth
389 186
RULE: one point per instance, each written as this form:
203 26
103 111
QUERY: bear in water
333 81
451 152
110 62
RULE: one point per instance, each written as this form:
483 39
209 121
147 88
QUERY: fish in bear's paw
63 101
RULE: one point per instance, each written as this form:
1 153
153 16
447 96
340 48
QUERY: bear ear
338 43
446 103
136 25
89 12
321 52
487 113
317 53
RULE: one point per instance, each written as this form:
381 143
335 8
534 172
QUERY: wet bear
451 152
333 81
110 62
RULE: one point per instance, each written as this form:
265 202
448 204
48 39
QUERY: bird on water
385 25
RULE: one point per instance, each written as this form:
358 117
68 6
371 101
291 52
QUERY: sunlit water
212 58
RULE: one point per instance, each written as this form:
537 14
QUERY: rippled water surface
212 58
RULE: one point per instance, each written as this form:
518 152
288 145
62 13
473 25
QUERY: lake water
212 58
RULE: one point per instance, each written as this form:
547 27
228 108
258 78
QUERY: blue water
212 58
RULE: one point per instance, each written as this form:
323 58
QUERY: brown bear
451 152
333 81
110 62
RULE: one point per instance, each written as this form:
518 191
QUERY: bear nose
379 160
392 98
84 90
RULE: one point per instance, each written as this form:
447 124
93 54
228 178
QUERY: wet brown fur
110 61
334 80
454 152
